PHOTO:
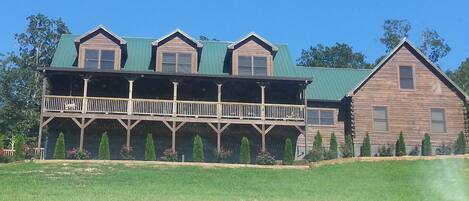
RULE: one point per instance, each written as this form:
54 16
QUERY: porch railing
166 108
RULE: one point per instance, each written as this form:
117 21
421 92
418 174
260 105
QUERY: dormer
176 52
253 56
100 49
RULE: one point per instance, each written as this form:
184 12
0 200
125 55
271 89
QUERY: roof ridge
333 68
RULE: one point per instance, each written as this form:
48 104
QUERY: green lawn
388 180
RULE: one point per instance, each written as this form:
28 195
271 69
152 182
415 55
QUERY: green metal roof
329 84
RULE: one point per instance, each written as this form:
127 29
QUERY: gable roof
176 32
102 28
403 42
253 34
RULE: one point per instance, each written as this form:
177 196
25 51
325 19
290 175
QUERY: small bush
4 158
332 153
222 155
245 151
127 152
104 153
347 148
444 149
169 155
317 153
2 141
19 147
426 145
460 146
415 151
385 150
265 158
198 149
400 146
288 152
365 149
78 155
150 149
59 150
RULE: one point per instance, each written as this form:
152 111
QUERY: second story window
99 59
252 65
177 62
406 77
320 117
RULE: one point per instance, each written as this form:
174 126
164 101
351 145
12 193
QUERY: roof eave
121 40
156 42
274 48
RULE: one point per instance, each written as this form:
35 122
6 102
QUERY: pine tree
198 149
365 149
104 153
317 154
332 154
426 145
347 150
150 149
245 151
59 150
400 146
19 147
460 146
288 152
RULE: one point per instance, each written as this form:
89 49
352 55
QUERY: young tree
333 153
2 141
288 152
400 146
59 150
104 153
426 145
317 153
365 149
19 147
394 32
245 151
150 149
460 146
347 149
339 55
198 149
433 45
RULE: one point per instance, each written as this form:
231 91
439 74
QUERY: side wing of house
407 93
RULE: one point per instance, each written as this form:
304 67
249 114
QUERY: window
380 118
100 59
320 117
438 120
406 77
177 62
252 65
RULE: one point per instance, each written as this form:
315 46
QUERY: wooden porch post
262 101
82 133
173 137
175 94
44 85
127 142
219 85
305 110
263 131
129 103
85 94
263 138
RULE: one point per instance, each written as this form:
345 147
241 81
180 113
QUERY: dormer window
176 62
252 65
99 59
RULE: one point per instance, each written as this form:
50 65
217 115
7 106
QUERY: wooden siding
99 42
325 130
252 48
408 110
175 45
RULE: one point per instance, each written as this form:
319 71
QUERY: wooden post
173 137
262 101
85 94
305 110
219 101
175 93
263 138
129 103
44 86
128 133
82 133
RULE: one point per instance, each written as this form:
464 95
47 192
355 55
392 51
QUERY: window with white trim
438 120
252 65
99 59
173 62
320 117
380 118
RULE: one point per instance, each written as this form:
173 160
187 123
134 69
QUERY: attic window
406 77
252 65
177 62
100 59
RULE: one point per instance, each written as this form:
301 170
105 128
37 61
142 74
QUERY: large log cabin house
175 87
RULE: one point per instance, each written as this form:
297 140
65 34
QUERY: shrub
426 145
4 158
245 151
444 149
59 150
347 148
169 155
2 141
400 146
103 153
150 149
19 147
265 158
198 149
460 146
288 152
222 155
317 153
415 151
385 150
78 155
127 152
365 149
332 153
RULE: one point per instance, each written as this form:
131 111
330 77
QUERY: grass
446 179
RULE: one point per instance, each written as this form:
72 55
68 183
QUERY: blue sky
296 23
